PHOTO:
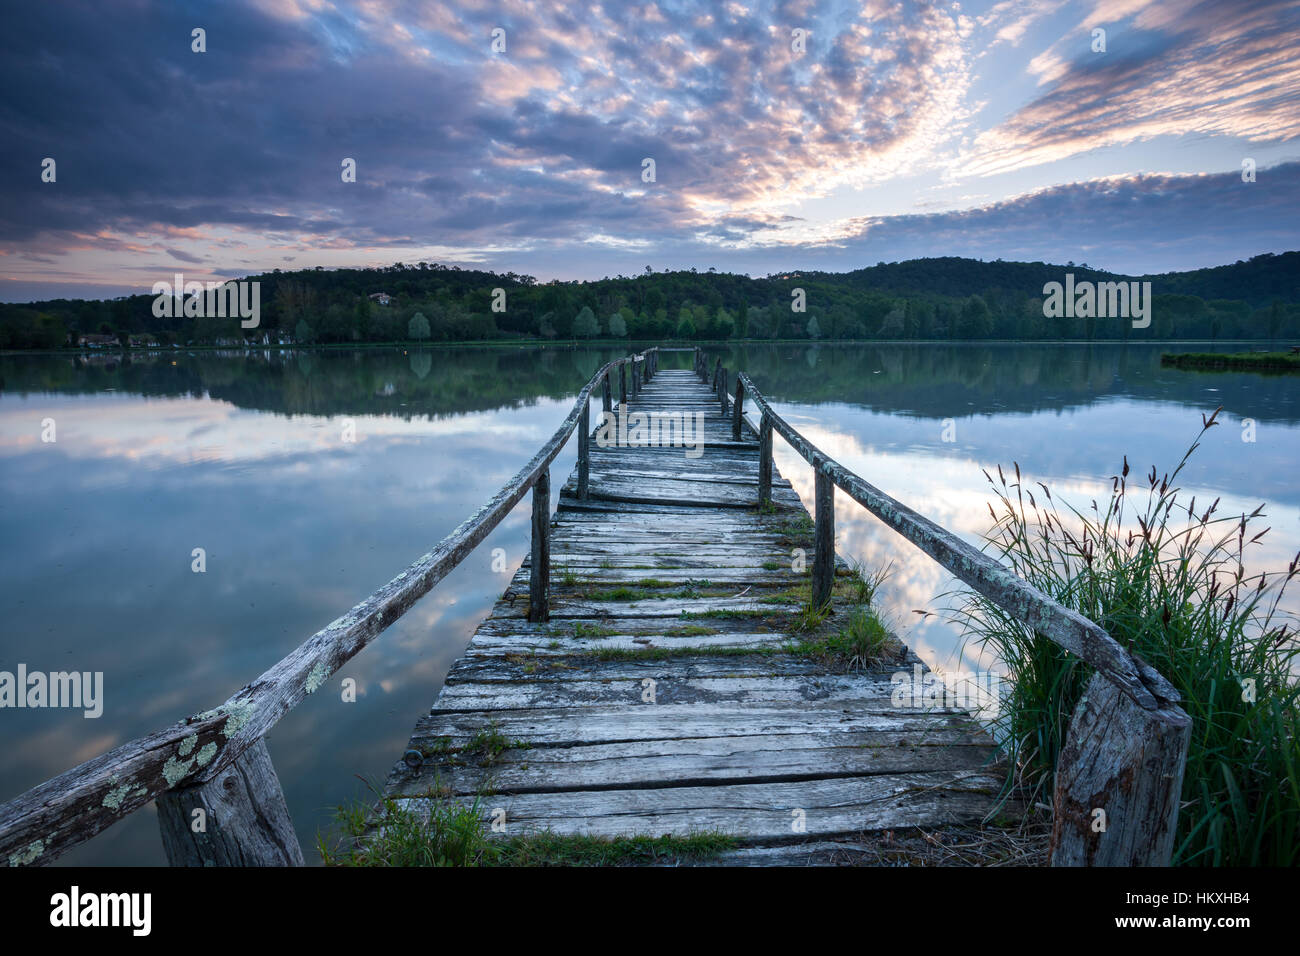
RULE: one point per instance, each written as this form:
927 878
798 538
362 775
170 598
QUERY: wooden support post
1127 763
622 386
584 450
765 462
539 581
244 819
717 369
606 399
823 570
722 390
736 412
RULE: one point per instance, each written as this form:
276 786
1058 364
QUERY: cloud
232 158
1173 68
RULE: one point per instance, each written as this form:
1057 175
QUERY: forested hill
1256 282
940 298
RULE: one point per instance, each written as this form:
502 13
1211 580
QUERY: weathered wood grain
1119 781
238 819
762 811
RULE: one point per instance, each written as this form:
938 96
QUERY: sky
582 141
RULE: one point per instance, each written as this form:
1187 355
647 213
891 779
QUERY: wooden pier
658 667
665 693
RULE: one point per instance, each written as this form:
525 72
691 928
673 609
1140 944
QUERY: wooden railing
1126 749
219 800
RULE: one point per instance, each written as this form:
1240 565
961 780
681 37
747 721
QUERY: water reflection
244 455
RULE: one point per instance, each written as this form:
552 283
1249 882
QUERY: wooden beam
765 462
823 569
237 819
540 571
1119 780
584 453
736 410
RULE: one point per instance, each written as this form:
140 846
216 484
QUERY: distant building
383 298
96 341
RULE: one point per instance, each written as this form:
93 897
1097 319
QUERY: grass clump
861 641
1166 579
690 630
864 584
585 631
549 849
622 593
451 833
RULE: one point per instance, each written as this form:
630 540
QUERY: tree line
920 299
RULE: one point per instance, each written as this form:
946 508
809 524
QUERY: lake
245 456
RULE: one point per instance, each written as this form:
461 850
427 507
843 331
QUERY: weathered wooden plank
661 607
238 819
765 811
699 761
603 723
668 687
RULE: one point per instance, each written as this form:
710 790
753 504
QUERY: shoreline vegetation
608 343
943 298
1225 361
1165 576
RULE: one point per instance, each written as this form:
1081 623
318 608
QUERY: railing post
606 400
722 389
584 450
717 368
622 386
823 570
736 412
1128 763
765 462
539 581
244 820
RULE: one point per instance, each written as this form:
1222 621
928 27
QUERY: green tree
617 327
418 327
724 324
814 330
685 325
976 320
586 324
302 332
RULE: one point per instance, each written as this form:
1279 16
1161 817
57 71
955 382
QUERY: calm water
243 456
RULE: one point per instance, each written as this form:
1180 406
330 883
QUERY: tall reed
1167 579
